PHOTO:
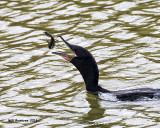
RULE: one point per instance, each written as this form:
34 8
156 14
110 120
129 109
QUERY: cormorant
84 61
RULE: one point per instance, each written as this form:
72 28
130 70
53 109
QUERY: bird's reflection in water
96 112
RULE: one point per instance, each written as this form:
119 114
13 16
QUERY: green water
42 90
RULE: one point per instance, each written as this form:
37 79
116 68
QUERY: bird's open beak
65 55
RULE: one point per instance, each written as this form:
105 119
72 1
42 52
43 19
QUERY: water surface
47 91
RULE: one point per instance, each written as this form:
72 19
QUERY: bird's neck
90 73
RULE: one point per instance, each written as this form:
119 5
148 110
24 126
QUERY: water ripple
124 38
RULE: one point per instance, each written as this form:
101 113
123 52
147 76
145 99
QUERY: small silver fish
52 42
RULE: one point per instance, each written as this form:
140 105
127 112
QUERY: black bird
84 61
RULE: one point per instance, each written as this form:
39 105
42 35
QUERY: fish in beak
66 56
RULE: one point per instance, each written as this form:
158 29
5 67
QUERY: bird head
78 52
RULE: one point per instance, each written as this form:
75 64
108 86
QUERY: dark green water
44 91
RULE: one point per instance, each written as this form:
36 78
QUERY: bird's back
137 94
